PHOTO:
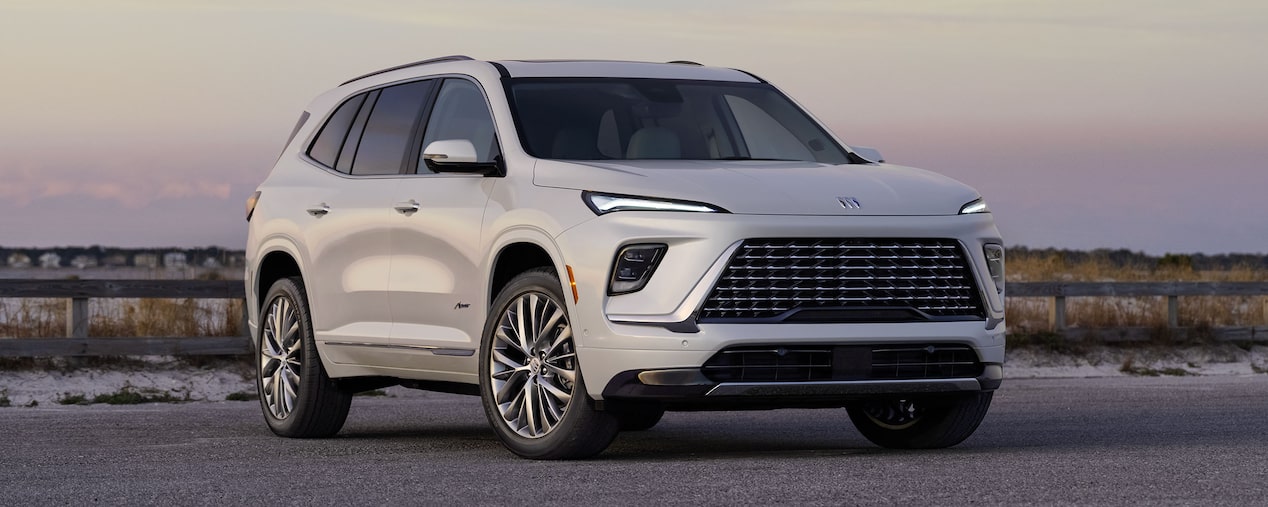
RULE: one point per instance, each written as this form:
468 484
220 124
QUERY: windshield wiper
761 159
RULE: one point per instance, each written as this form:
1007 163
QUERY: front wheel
920 424
530 378
298 398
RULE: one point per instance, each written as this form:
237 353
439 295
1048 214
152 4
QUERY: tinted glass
461 112
349 151
597 119
325 148
389 129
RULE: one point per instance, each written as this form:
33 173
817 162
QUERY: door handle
319 210
406 207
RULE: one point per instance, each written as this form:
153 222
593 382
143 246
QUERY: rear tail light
251 204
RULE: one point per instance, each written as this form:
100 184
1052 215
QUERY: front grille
931 361
845 280
842 362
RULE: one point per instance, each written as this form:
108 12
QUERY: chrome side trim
438 351
849 387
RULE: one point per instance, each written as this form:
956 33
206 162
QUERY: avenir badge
849 203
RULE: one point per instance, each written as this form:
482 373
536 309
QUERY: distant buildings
50 260
19 260
96 257
84 261
175 260
145 260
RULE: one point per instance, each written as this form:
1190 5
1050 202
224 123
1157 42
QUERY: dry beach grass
1030 315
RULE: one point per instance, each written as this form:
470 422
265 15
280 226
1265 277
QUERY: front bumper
644 330
688 389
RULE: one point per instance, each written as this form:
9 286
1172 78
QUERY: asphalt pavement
1106 441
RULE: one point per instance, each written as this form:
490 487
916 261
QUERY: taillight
251 204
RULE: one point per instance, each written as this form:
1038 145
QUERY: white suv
587 244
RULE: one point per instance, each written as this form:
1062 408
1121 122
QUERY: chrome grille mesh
845 279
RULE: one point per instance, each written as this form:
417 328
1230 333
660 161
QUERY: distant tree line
1128 259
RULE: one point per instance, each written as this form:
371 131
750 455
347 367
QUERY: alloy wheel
533 365
280 359
894 414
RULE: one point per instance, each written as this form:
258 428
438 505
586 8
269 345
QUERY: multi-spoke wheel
280 358
530 381
298 398
920 424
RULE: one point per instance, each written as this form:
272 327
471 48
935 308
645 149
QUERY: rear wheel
920 424
530 380
298 398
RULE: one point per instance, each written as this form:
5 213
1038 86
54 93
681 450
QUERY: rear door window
390 129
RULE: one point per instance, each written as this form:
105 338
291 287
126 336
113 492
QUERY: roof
608 68
589 68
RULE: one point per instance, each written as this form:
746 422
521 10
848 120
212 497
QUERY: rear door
350 236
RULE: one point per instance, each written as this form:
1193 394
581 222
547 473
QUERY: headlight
976 206
995 263
633 267
607 203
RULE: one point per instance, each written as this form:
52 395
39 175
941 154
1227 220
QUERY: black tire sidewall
942 425
309 418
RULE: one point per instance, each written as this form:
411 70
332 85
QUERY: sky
1137 124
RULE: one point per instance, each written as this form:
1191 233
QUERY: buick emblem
849 203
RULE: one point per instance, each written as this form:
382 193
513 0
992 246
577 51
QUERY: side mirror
455 156
869 154
450 151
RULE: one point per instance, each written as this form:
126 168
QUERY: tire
533 393
298 398
640 419
918 424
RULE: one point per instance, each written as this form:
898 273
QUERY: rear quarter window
325 148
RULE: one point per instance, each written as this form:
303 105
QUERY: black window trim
409 169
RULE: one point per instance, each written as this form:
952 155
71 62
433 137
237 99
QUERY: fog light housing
995 263
633 267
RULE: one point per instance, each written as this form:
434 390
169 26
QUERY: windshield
639 119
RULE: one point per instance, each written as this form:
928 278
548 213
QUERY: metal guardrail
77 292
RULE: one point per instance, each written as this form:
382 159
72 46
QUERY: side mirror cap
456 156
869 154
450 151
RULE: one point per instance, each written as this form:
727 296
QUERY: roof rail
685 62
450 58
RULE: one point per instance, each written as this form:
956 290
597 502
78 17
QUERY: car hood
768 187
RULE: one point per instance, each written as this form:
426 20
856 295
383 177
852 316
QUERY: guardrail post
1056 313
244 327
1173 311
77 318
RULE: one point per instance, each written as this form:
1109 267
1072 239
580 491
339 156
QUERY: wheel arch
515 257
276 261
